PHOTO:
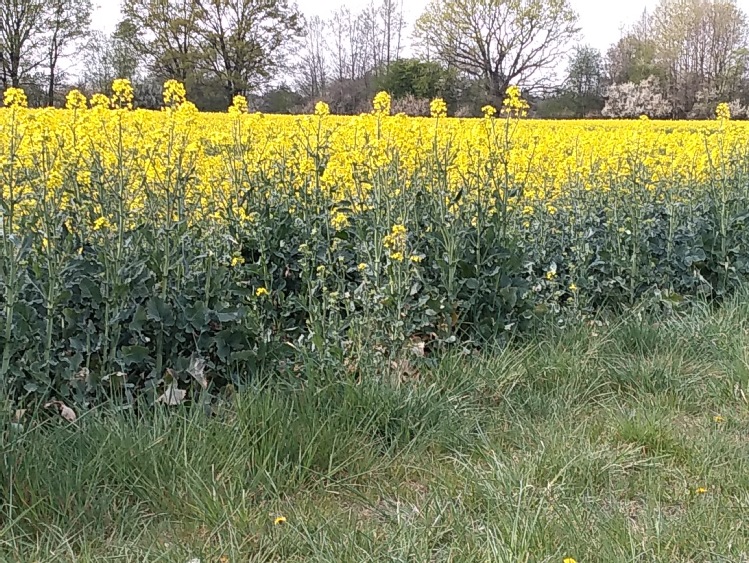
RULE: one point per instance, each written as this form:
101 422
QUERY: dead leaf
418 347
169 376
82 374
197 371
18 415
64 410
67 413
404 370
172 396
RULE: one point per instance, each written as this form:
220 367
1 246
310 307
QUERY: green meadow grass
597 442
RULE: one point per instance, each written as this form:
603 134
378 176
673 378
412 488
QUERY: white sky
600 20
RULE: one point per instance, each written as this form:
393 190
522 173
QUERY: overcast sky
600 20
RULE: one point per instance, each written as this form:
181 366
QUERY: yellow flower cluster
395 242
514 104
382 103
438 108
322 109
122 94
239 106
210 160
723 112
15 97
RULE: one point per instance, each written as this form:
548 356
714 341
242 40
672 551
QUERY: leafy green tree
169 35
244 42
633 58
421 79
585 81
281 100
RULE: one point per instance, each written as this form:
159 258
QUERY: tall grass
613 441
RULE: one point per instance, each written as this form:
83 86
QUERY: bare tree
373 36
109 57
21 35
393 25
347 48
67 22
313 65
701 46
499 41
697 49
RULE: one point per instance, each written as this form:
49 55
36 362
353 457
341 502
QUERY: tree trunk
15 66
51 86
497 86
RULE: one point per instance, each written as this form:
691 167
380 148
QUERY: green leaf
134 354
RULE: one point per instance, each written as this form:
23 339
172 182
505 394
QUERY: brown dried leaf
82 374
68 414
197 371
64 410
172 396
418 348
18 415
404 370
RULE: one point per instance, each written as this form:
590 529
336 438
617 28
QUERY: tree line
677 61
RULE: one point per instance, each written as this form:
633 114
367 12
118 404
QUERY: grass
592 442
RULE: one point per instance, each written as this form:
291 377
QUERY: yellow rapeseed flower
100 101
239 105
322 109
558 166
723 112
339 221
102 224
75 100
15 97
174 93
438 108
514 105
382 103
279 520
395 242
261 292
122 93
